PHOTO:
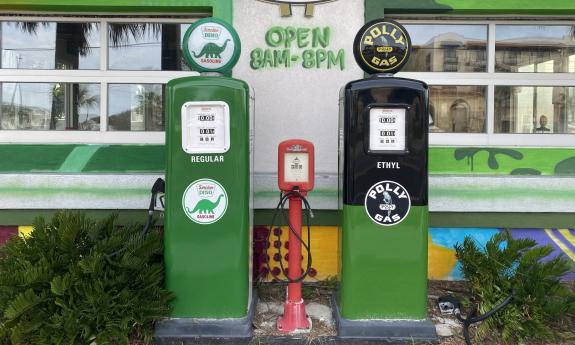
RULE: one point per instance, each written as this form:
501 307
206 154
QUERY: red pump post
295 173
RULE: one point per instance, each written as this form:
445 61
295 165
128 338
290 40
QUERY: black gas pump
383 193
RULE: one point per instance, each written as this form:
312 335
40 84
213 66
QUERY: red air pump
295 179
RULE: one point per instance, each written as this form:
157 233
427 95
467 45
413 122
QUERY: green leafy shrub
78 281
506 264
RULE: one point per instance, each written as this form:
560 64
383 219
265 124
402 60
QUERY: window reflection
530 109
447 48
151 46
457 109
50 106
49 45
535 48
135 107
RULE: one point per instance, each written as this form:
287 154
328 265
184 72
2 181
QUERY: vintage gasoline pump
383 193
208 215
296 175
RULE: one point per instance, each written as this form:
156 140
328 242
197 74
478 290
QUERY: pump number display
296 167
205 127
387 129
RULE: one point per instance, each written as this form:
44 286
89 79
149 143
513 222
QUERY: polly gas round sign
387 203
205 201
211 45
382 46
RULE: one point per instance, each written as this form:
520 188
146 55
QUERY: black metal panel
360 166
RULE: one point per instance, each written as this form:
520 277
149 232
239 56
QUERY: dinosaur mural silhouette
212 50
470 152
206 206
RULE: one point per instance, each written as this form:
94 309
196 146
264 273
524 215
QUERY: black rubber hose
280 208
474 319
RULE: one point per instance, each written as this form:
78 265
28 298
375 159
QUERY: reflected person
542 125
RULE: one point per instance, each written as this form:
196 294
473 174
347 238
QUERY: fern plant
78 281
507 264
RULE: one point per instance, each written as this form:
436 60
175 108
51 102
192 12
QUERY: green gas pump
383 193
208 210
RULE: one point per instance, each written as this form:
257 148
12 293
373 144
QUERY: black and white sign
387 203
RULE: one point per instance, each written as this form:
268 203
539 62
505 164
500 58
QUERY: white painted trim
481 139
80 137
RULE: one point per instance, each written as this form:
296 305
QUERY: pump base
374 329
180 330
294 319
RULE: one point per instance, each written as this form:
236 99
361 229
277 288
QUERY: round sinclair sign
205 201
387 203
382 46
211 45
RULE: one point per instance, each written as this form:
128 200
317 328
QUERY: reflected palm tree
150 104
72 42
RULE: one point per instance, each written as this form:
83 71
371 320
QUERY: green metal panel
222 9
75 158
207 266
383 269
375 8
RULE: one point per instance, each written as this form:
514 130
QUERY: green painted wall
218 8
74 158
376 8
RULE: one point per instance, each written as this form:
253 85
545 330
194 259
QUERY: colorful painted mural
443 264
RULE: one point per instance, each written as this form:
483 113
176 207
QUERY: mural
150 158
443 264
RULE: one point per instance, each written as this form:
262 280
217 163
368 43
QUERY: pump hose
281 208
472 318
158 187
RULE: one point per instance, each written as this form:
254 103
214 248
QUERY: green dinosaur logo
211 50
199 202
205 206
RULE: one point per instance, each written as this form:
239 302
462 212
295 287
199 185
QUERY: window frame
102 76
490 79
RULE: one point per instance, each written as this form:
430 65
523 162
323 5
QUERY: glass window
49 45
146 46
531 109
447 48
135 107
457 109
535 48
50 106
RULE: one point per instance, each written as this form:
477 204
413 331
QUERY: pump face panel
205 127
387 129
295 165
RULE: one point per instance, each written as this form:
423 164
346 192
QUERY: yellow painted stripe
24 231
560 244
568 236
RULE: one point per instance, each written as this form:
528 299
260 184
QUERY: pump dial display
205 127
387 129
296 167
